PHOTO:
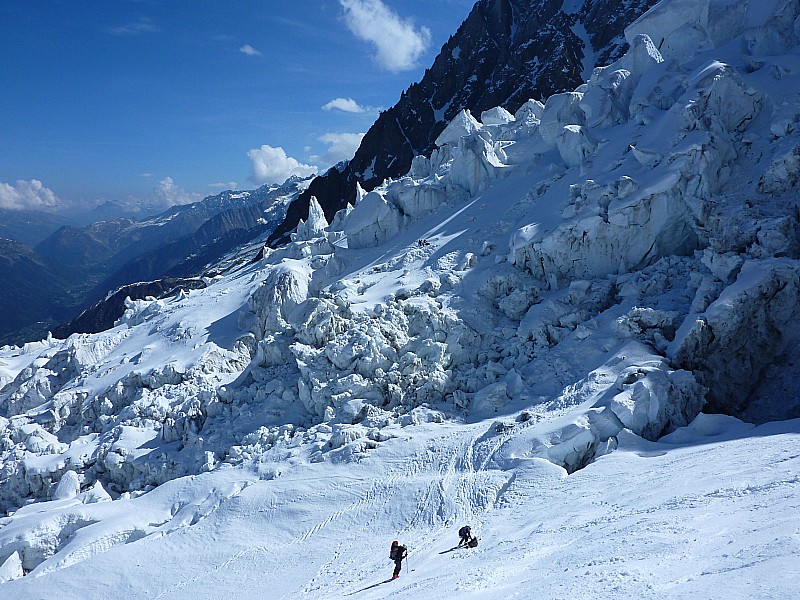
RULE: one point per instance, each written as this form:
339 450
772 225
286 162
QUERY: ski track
447 499
374 503
317 538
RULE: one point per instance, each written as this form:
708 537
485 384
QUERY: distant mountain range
505 52
75 267
30 227
33 294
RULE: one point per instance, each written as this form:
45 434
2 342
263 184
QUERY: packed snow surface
521 334
694 515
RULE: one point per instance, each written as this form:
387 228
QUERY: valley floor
711 511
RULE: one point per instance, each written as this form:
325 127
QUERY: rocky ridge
100 258
505 52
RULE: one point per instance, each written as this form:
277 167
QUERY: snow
463 124
314 225
589 55
693 515
496 116
522 334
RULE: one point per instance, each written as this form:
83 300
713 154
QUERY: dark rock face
505 53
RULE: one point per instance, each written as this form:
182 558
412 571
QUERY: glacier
575 280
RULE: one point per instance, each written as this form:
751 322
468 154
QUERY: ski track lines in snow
335 494
611 546
442 493
633 524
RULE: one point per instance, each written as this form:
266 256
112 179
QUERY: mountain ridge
550 61
103 256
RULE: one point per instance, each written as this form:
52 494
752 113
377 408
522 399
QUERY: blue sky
169 101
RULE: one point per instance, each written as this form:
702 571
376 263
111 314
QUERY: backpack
473 542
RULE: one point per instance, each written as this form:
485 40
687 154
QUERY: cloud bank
398 44
229 185
28 195
272 165
171 195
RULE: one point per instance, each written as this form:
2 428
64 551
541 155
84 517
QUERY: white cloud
172 195
345 105
28 195
249 50
398 44
231 185
341 146
271 165
138 28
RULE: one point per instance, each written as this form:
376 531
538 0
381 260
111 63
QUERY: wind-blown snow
520 334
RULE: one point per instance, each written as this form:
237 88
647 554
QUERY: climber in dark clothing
465 533
397 554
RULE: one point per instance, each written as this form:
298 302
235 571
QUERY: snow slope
710 512
520 334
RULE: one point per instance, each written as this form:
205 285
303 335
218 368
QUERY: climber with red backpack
397 554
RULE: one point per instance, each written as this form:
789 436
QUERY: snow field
711 514
547 291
